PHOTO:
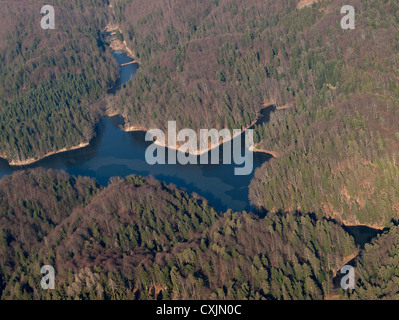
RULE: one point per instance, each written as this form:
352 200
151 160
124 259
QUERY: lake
114 152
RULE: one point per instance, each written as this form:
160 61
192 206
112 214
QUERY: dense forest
51 81
216 64
338 149
141 239
206 64
202 63
337 139
377 269
336 131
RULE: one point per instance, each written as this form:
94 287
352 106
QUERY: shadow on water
126 72
264 116
362 234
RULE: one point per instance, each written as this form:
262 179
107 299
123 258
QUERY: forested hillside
203 63
217 63
51 80
339 148
377 269
141 239
206 64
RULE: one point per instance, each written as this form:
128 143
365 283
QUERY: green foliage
377 269
51 82
141 239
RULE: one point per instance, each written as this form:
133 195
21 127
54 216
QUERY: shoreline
30 161
128 128
371 226
274 154
113 42
116 45
112 113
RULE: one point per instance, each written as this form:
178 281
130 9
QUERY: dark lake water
362 234
114 152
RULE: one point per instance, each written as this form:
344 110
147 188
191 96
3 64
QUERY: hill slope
140 239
